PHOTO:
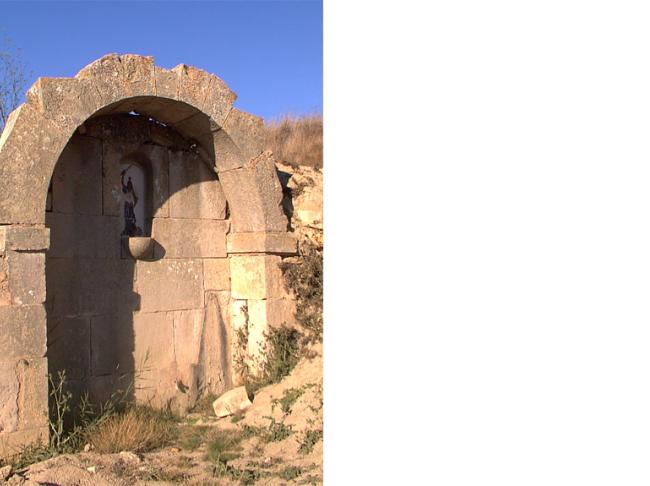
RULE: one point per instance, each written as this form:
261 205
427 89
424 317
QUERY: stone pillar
259 298
23 331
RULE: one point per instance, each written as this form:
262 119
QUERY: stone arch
195 103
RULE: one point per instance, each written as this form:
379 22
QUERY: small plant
281 354
277 431
138 429
191 438
224 447
290 472
288 399
309 440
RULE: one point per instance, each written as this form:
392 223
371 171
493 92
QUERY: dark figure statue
130 201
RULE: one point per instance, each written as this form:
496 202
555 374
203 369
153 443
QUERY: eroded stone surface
254 194
189 238
256 277
216 274
194 190
22 331
26 274
28 238
170 284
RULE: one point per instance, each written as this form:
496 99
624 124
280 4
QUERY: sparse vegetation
288 399
191 437
309 440
138 429
281 354
297 140
204 404
304 276
290 472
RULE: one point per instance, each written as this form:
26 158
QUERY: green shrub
304 277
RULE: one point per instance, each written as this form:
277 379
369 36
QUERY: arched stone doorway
246 243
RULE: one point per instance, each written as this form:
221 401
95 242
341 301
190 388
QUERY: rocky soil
282 444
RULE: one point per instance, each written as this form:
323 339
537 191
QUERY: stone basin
137 247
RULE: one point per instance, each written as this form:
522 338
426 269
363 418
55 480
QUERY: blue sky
269 52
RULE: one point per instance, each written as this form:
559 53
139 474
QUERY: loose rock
230 402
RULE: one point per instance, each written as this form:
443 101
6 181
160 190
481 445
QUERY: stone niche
152 325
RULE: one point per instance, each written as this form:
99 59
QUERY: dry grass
138 429
297 140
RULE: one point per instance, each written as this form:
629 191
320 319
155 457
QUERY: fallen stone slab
231 402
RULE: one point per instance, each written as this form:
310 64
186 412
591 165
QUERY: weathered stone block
67 101
26 168
112 344
68 346
231 402
238 347
219 100
26 275
263 314
22 331
159 160
158 387
9 390
190 238
247 132
204 91
215 345
239 314
84 236
107 75
169 284
24 238
138 72
13 442
188 333
166 83
153 340
196 125
276 243
216 274
256 277
33 393
90 286
193 84
223 298
77 178
194 190
254 193
100 388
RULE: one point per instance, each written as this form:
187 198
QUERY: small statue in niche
130 201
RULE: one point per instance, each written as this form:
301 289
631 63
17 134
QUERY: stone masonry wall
112 320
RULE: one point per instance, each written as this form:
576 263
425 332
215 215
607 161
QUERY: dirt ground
281 443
